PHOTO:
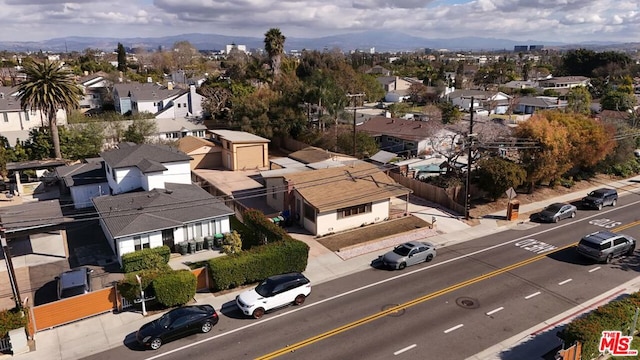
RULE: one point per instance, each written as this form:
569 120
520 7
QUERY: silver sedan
557 211
409 253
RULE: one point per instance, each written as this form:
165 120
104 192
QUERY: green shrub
258 263
145 259
11 319
129 287
175 288
616 315
261 230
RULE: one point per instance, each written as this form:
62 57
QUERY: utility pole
10 270
354 97
467 200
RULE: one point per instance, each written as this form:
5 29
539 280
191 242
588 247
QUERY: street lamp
144 308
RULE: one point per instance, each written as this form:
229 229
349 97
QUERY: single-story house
149 219
334 199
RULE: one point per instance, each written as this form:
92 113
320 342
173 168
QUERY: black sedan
177 323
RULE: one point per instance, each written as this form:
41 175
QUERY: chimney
170 85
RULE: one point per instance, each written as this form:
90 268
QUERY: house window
309 213
184 104
113 174
26 116
6 117
179 105
198 230
141 242
354 210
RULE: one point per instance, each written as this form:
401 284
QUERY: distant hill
382 41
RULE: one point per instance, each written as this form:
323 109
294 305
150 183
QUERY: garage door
250 157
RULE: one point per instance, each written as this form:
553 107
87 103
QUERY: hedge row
129 287
258 263
260 230
616 315
175 287
145 259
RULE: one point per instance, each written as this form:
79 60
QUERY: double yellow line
626 226
406 305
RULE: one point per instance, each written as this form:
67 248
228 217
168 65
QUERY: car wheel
206 327
257 313
609 259
155 344
402 266
573 214
599 206
556 219
429 257
613 203
299 299
631 250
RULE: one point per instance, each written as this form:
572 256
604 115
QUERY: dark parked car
556 212
600 197
74 282
177 323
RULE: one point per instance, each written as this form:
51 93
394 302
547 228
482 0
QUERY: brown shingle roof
312 154
188 144
336 188
410 130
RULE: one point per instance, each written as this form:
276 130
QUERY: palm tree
49 88
274 46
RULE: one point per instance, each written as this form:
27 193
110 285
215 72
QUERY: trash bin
513 208
218 240
192 246
184 248
199 244
208 240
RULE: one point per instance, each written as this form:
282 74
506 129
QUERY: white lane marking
400 276
405 349
494 311
564 282
595 269
532 295
453 328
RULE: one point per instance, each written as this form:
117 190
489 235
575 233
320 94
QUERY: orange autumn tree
565 141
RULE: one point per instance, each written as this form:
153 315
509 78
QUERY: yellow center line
626 226
406 305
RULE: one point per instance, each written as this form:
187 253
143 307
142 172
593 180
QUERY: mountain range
382 41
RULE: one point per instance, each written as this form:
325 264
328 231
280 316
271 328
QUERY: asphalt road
472 296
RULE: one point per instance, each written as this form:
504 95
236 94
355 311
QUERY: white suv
274 292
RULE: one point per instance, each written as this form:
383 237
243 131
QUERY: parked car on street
600 197
603 246
74 282
557 211
409 253
274 292
177 323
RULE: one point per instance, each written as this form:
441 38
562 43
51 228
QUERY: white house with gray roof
130 167
15 123
177 213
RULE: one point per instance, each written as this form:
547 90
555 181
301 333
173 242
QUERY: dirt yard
372 232
381 230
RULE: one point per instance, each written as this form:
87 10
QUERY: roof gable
339 187
127 155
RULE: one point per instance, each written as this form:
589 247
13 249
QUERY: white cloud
521 20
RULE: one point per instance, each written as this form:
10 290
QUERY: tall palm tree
274 46
49 88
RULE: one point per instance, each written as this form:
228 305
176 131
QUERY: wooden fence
430 192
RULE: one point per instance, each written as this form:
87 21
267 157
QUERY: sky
567 21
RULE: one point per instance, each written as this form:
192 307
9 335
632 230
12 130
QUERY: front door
167 238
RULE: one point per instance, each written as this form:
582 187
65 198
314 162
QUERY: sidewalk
106 331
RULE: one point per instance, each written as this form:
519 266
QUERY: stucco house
205 154
162 216
242 150
15 123
531 104
334 199
94 89
492 101
132 167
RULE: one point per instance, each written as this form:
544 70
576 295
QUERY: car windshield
554 207
402 250
265 288
72 291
